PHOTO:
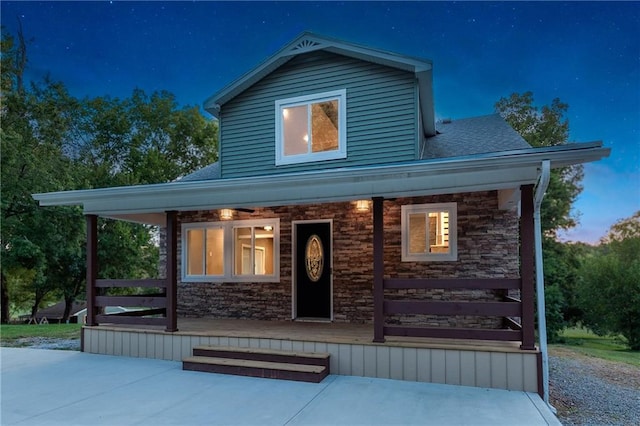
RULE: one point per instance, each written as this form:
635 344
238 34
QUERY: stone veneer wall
487 247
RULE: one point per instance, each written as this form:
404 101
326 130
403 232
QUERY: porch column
171 272
92 267
527 277
378 270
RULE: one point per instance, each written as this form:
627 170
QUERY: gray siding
516 371
382 125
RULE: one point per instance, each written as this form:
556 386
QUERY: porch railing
145 309
151 309
507 309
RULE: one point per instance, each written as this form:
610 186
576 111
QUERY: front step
254 362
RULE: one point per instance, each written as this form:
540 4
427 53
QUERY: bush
555 305
609 293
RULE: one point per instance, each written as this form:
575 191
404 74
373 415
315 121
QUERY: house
342 218
80 316
54 313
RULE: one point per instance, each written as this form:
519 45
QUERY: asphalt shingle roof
469 136
210 172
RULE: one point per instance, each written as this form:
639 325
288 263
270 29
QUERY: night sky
586 54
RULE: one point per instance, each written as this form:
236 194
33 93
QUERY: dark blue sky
587 54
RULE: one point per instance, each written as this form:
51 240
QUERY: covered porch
513 304
503 358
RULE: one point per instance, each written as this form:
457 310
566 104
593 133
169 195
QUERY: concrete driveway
48 387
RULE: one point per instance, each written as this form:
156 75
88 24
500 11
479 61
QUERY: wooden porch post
527 259
171 272
378 270
92 267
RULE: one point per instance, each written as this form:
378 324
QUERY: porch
478 363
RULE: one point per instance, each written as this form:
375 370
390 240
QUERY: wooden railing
145 307
506 309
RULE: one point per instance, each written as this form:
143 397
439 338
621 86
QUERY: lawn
10 332
583 341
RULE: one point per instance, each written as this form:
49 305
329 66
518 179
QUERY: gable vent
305 44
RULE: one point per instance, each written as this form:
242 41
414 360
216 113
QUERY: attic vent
305 44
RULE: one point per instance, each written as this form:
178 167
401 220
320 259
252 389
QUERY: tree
35 123
543 127
143 139
53 141
610 290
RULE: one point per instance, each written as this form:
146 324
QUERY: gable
382 114
308 42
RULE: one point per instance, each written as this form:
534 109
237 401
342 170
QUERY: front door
312 254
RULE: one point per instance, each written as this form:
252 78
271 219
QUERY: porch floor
316 331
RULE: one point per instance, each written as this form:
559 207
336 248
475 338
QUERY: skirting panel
510 370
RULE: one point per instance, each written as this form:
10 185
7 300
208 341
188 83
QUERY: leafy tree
543 127
138 140
610 290
53 141
143 139
35 123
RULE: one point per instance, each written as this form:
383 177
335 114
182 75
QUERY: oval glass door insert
314 258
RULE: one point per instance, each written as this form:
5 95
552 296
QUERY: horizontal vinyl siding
381 114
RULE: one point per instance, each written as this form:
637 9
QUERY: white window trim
452 209
228 226
341 152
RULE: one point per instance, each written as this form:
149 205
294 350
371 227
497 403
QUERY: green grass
9 333
583 341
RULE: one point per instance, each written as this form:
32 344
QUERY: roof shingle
469 136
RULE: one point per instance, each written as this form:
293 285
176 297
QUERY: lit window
253 250
311 128
429 232
243 250
205 253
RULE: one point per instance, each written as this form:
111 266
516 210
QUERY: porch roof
489 171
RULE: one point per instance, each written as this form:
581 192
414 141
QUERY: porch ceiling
495 171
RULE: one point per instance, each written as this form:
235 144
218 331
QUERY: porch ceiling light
226 214
362 205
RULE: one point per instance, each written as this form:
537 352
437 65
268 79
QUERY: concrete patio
46 387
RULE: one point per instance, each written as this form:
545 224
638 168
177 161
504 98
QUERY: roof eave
147 203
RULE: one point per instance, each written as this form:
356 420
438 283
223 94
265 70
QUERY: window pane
242 243
295 130
439 232
263 253
215 251
195 246
417 233
324 124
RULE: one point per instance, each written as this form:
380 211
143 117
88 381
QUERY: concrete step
254 368
268 355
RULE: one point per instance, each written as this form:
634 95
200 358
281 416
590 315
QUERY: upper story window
429 232
231 251
311 128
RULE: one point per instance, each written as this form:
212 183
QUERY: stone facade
487 248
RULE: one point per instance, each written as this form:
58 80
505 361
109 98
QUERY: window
429 232
311 128
242 250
